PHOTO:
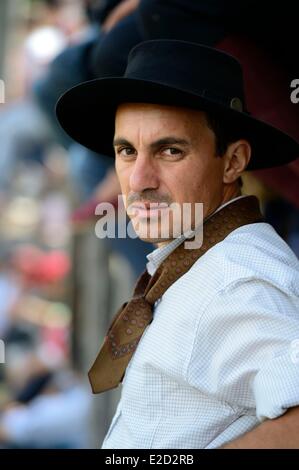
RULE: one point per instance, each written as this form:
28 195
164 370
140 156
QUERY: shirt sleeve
246 349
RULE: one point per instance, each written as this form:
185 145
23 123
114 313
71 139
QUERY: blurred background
59 284
56 277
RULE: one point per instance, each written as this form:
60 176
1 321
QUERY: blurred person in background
10 290
49 405
38 310
24 131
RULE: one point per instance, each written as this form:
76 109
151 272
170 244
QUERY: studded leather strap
134 316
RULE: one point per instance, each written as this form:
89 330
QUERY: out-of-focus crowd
44 402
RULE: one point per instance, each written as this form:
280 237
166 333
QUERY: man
208 346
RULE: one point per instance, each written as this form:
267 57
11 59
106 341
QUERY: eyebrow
169 140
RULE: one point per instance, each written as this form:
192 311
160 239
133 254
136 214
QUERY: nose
144 174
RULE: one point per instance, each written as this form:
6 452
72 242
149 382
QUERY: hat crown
190 67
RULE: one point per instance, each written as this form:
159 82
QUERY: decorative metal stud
236 104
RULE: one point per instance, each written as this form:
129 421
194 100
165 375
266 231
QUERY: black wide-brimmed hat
178 73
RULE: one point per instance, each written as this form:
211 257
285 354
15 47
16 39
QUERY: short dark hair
226 130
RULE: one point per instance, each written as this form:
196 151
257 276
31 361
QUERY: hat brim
87 112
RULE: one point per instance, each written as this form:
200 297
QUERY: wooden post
101 282
3 32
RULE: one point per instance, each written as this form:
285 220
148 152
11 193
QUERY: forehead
154 118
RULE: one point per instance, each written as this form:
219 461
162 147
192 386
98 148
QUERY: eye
125 151
172 152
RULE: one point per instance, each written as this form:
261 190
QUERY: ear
236 159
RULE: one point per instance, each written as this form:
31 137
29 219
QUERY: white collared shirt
222 352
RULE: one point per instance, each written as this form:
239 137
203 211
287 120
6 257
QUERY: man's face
165 155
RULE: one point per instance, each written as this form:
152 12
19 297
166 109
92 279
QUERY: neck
228 194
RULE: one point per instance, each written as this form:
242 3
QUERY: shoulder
254 251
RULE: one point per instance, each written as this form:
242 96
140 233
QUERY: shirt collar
156 257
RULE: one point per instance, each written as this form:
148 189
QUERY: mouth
147 209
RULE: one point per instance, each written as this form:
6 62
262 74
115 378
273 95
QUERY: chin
151 235
155 241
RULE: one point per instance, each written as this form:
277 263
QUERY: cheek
123 174
187 183
171 181
196 182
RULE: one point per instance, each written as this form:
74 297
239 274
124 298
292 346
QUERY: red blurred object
41 267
